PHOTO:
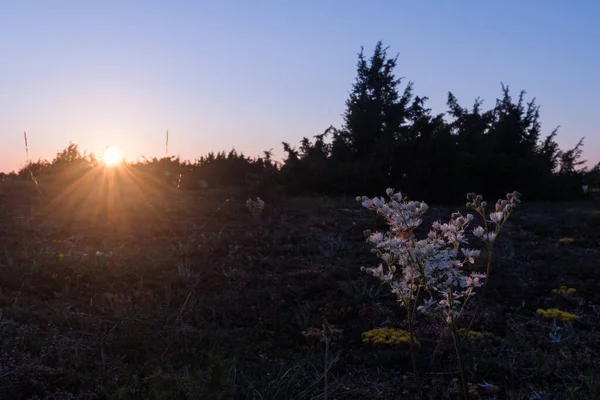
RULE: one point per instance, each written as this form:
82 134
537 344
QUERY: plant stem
413 357
461 365
326 386
487 276
488 270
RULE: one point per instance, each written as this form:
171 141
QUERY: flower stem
488 270
487 276
413 356
325 382
461 365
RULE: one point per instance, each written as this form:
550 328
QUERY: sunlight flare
112 156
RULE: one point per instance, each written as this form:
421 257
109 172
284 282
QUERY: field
124 289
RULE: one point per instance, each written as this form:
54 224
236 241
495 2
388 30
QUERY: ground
134 291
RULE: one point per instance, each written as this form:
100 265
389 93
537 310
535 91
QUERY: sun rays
112 156
115 196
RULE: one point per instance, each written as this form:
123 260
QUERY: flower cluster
564 290
255 207
555 313
428 274
386 336
501 212
433 264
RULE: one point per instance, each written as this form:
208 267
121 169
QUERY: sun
112 156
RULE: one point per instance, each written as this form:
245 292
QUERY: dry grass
117 287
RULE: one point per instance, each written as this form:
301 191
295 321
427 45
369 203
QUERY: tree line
390 138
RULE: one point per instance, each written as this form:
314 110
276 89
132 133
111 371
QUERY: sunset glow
299 199
112 157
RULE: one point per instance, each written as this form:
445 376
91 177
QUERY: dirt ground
119 288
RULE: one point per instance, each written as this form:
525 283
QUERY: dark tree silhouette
571 159
389 138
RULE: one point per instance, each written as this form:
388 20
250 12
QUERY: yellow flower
387 336
564 290
474 335
554 313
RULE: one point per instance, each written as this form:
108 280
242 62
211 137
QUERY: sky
250 74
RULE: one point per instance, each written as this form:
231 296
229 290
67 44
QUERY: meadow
120 287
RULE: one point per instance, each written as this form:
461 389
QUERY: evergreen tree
375 113
571 159
391 139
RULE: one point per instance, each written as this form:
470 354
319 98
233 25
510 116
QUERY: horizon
116 74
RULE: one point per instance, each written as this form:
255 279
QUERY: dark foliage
68 165
389 138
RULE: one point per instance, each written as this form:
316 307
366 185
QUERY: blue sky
251 74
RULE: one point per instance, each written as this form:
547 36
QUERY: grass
130 290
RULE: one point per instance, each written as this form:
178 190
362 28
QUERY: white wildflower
367 203
470 254
387 258
434 264
479 231
378 201
255 207
489 237
427 304
376 237
497 217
